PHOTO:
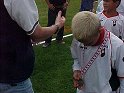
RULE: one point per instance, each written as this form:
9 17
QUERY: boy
111 19
95 51
120 8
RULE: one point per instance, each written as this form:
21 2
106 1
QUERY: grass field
53 66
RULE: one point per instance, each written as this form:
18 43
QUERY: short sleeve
24 12
120 8
120 61
76 65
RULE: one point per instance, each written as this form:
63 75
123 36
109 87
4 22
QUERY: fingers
60 20
77 80
63 18
78 84
75 83
59 14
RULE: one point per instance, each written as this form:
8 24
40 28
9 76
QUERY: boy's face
109 5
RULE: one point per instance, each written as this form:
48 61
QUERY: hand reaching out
60 20
51 6
65 5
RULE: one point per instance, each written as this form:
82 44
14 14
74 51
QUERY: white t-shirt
120 8
24 12
96 79
113 24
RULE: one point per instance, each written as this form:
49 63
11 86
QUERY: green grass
53 69
53 66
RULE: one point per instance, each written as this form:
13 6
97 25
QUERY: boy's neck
101 37
110 13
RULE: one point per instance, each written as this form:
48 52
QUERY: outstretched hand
60 20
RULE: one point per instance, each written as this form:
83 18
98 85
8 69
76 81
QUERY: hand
65 5
50 6
60 20
77 79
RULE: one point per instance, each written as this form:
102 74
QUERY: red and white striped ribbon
84 70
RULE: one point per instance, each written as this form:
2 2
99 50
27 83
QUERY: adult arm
42 33
25 14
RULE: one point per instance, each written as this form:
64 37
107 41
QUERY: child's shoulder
121 16
99 13
115 40
75 42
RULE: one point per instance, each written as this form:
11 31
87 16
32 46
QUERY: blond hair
85 25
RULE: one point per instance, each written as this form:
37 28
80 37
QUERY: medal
81 83
103 52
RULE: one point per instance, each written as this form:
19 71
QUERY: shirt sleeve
76 65
120 8
24 12
119 65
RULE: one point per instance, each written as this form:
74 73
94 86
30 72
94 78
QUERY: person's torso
16 52
97 76
113 24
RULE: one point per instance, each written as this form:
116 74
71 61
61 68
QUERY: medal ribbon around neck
85 69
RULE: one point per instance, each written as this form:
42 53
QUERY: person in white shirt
19 25
120 8
95 51
111 19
